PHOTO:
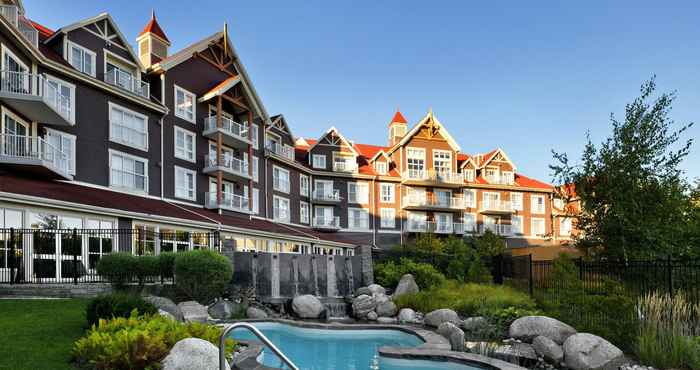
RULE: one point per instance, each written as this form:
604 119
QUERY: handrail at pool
260 335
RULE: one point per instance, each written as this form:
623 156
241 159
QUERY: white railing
128 180
127 82
228 163
11 13
413 200
496 205
280 214
34 148
327 222
280 184
434 176
228 126
498 229
230 201
326 195
28 84
284 151
500 180
344 166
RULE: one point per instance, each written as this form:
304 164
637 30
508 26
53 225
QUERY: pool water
327 349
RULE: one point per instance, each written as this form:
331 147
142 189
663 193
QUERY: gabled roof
398 118
464 158
280 122
154 28
428 118
525 181
220 88
486 158
342 138
379 153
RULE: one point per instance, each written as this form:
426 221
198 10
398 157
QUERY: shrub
202 275
389 273
117 268
146 267
503 317
116 305
167 264
137 342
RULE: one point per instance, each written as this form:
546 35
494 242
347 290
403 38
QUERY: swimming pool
332 349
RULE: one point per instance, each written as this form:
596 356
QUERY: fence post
530 282
13 258
75 256
669 272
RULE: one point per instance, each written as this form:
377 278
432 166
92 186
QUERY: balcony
345 166
326 223
34 155
434 227
496 206
283 151
424 202
325 196
229 202
35 98
126 81
234 133
500 180
498 229
11 13
430 178
231 168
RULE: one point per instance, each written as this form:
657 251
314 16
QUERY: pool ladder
261 336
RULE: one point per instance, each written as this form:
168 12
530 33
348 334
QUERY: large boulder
548 349
380 298
221 310
454 334
474 324
372 316
307 306
407 315
590 352
362 290
517 353
192 354
193 311
406 285
255 313
166 305
528 328
362 305
376 289
437 317
386 309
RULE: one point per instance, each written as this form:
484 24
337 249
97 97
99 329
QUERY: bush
389 273
137 342
167 264
117 268
146 267
202 275
116 305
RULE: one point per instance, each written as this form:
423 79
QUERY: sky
526 76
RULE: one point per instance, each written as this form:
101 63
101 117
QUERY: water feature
295 276
314 274
275 276
350 278
331 282
254 272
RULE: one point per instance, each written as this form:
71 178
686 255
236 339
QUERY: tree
632 193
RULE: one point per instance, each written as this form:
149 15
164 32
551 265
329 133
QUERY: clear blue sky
526 76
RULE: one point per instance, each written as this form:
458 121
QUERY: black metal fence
70 256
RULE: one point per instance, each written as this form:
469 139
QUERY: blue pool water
327 349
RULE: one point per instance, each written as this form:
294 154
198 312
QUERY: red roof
44 31
398 118
154 28
523 180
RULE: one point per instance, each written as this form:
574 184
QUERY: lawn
38 334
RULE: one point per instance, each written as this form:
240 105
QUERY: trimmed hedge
389 273
202 275
116 305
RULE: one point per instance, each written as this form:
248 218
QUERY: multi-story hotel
96 135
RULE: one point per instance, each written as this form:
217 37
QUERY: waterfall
337 310
254 272
349 276
295 275
331 278
275 275
314 272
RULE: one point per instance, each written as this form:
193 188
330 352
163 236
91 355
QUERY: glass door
15 139
443 222
491 223
71 248
100 242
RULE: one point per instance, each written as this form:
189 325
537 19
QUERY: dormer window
469 175
381 167
81 58
398 130
344 162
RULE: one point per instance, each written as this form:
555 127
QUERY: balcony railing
126 81
284 151
280 184
498 229
228 126
230 201
327 222
19 147
25 27
28 84
344 166
497 206
326 195
433 202
500 180
227 163
434 176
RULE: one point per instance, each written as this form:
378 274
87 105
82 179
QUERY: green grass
38 334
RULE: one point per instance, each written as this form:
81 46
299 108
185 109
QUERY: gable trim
503 153
346 141
453 144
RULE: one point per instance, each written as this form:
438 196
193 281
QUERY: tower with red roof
153 43
397 128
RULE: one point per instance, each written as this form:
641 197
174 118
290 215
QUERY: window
13 65
81 58
184 104
358 218
537 204
61 95
280 179
280 208
469 222
358 192
516 224
443 222
565 226
127 127
491 200
491 175
64 143
319 161
343 162
470 198
516 199
128 172
388 218
381 167
185 186
99 244
387 193
254 132
184 144
304 212
303 185
469 175
255 164
507 177
256 201
443 197
415 158
442 161
537 227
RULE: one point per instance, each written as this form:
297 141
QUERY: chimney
397 128
152 43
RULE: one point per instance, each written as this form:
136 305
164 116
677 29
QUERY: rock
472 324
307 306
372 316
386 320
376 289
588 351
437 317
193 311
166 305
255 313
518 353
166 314
380 298
548 349
363 305
363 290
454 334
386 309
406 285
527 328
192 354
221 310
407 315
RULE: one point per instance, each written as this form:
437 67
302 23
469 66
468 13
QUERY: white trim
135 158
503 153
288 219
358 184
393 218
194 144
69 57
70 86
366 211
517 194
342 138
111 106
532 228
475 201
308 185
443 131
50 131
185 92
532 204
381 192
194 182
319 156
289 179
308 212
